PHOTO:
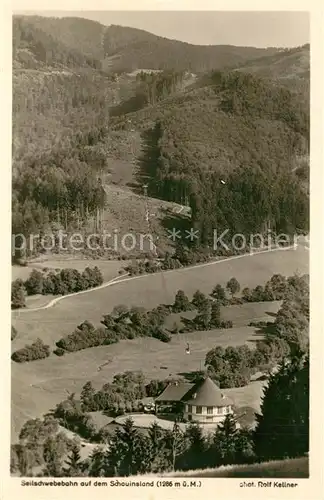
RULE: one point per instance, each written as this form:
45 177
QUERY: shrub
18 292
219 294
37 350
233 286
161 335
258 294
59 351
34 284
86 335
247 294
226 324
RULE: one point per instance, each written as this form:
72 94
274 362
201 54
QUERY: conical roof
206 393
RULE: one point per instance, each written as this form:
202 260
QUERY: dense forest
118 48
220 142
33 46
243 131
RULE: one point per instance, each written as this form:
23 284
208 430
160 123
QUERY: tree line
159 85
287 336
61 282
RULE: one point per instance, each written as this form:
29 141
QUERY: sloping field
150 290
38 386
125 211
289 468
241 315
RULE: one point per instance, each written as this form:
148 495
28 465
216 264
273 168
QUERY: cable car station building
202 402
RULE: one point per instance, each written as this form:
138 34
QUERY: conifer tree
215 315
129 452
225 441
88 397
283 424
74 463
219 294
175 443
181 302
195 456
198 299
203 319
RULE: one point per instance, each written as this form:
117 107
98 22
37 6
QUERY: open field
38 386
151 290
289 468
35 301
241 315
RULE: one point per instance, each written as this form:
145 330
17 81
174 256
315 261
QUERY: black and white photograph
160 277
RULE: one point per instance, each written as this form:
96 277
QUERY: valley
122 134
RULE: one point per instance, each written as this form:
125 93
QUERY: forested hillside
39 42
287 63
240 129
77 110
117 48
132 48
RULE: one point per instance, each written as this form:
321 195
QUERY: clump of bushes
181 258
233 366
58 282
59 351
18 294
226 324
122 323
36 350
120 396
274 289
160 334
83 337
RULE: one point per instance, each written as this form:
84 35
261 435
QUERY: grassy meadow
39 385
